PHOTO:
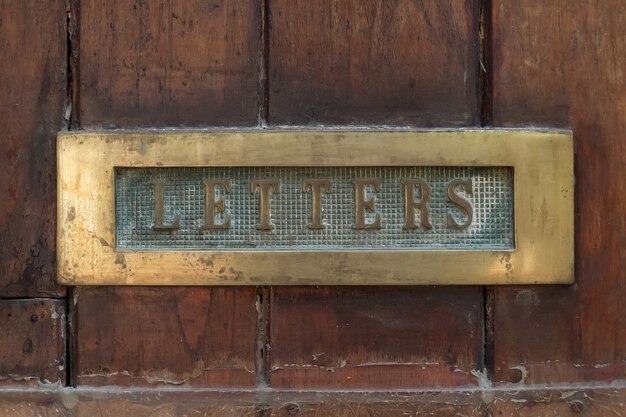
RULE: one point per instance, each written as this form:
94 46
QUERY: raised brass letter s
461 202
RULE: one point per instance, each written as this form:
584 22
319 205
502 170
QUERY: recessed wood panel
368 337
165 336
561 64
402 63
407 63
168 63
32 345
32 100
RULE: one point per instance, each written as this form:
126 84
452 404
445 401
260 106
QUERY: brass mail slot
312 208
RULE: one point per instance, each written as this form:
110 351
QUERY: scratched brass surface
89 250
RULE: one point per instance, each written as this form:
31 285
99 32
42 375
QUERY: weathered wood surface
32 101
564 401
367 62
124 403
562 64
401 62
168 63
32 342
558 402
367 337
165 336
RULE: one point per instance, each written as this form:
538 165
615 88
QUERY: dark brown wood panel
407 63
562 64
165 336
168 63
32 99
368 62
32 342
366 337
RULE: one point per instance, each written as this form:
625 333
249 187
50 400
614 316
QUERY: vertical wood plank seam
262 337
263 65
486 358
71 120
70 339
485 70
73 48
72 113
489 332
262 357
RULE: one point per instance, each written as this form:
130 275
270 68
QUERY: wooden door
268 64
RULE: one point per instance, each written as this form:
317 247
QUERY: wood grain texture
362 407
87 402
370 337
560 402
125 403
400 62
365 62
562 64
168 63
165 336
32 342
120 409
32 99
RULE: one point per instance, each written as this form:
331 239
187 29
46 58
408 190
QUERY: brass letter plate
315 208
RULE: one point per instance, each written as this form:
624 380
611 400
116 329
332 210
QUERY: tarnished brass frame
543 189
